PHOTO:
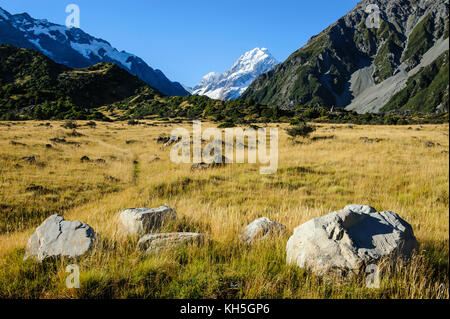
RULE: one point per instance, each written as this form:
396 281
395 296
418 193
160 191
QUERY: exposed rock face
344 241
141 221
355 65
261 229
56 237
155 242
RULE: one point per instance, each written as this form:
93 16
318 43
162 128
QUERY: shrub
301 129
70 125
133 122
226 125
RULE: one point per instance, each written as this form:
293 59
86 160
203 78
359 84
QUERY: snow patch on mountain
89 47
37 44
100 50
232 83
3 14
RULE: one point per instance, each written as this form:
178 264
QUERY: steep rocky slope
360 68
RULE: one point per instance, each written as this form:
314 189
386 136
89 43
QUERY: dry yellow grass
398 173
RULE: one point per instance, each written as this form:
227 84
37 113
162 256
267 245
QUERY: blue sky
187 39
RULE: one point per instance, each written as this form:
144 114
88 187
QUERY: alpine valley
395 74
323 176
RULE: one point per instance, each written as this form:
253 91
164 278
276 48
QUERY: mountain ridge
77 49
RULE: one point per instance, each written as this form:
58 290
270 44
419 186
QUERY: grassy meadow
128 168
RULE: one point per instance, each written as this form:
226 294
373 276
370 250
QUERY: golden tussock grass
398 172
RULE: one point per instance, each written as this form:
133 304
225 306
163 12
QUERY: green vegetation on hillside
388 54
231 113
425 90
341 116
145 105
420 40
34 87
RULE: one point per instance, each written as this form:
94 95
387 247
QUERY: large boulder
56 237
152 243
345 241
260 229
141 221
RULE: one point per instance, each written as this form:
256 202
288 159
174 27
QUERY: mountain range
232 83
32 86
50 71
402 64
77 49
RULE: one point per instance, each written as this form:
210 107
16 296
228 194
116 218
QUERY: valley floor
388 167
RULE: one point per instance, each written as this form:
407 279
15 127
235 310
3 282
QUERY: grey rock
217 161
152 243
141 221
56 237
260 229
343 242
200 166
172 139
29 159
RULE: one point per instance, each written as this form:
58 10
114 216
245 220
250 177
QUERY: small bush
133 122
226 125
301 129
70 125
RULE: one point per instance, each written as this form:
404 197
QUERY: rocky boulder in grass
345 241
56 237
141 221
152 243
217 161
260 229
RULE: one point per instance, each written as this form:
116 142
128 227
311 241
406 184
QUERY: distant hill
393 67
77 49
32 85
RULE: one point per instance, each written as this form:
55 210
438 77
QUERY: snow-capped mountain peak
77 49
209 78
232 83
251 58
